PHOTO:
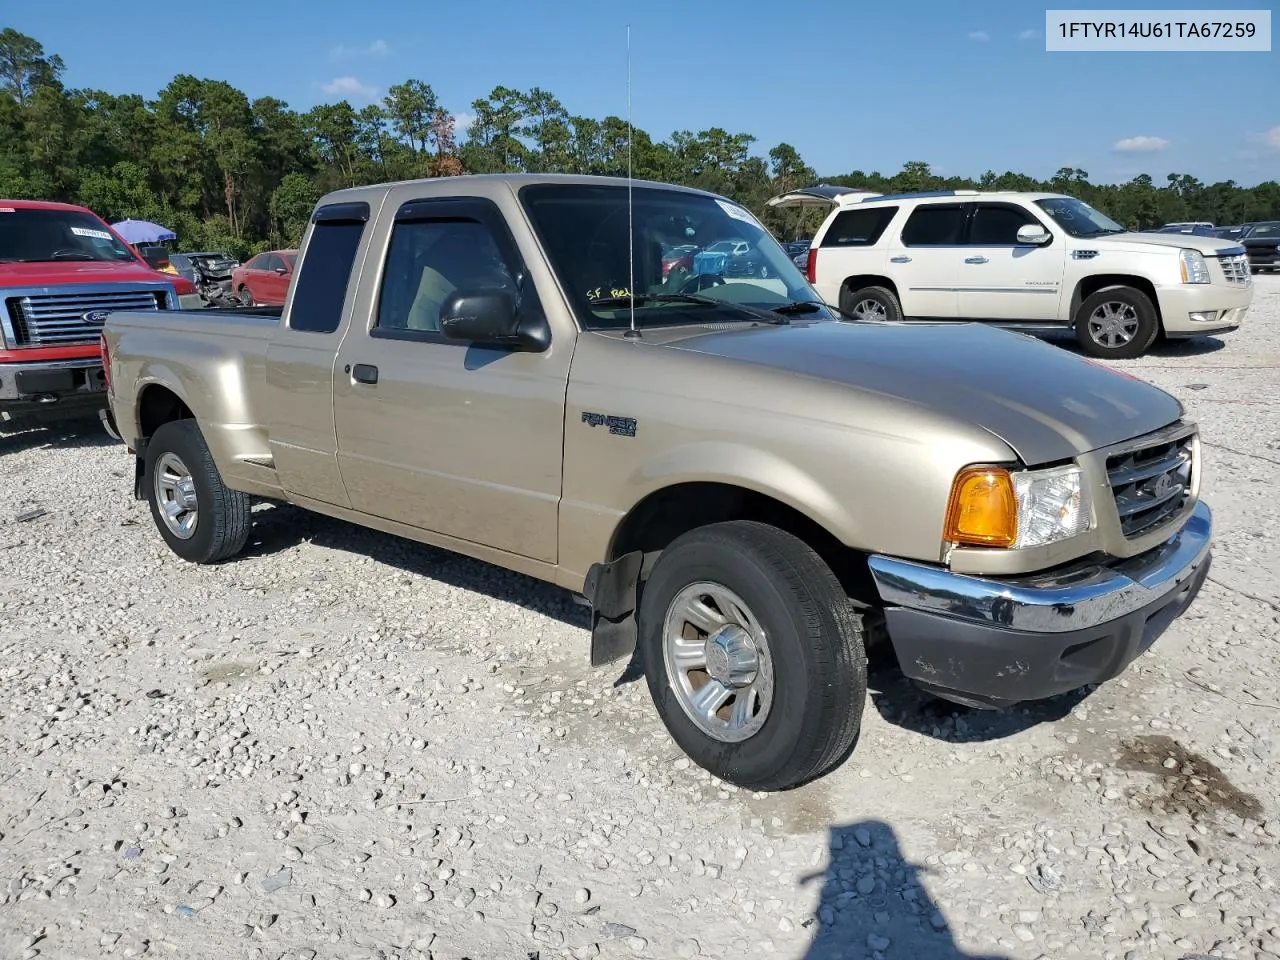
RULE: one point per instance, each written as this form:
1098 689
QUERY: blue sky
964 86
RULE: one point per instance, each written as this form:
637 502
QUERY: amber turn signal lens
983 510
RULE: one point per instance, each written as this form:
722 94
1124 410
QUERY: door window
997 224
428 261
272 262
934 225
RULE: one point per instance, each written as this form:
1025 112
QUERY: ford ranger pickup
746 488
61 269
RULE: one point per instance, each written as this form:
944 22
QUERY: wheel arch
674 508
860 281
1091 284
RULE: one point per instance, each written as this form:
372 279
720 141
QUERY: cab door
454 438
300 359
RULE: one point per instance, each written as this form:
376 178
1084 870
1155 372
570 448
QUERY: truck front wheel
753 654
199 517
1117 323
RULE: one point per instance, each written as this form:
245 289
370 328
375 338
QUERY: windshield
1078 218
732 260
31 236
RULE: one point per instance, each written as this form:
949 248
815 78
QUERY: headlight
1194 269
993 507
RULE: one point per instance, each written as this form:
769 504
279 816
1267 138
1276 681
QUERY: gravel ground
343 745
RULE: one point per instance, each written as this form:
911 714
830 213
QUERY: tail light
811 266
106 360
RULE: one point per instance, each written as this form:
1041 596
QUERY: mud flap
611 590
140 470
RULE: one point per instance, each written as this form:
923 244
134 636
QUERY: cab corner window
935 225
428 261
321 288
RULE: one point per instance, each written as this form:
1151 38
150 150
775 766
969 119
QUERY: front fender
741 465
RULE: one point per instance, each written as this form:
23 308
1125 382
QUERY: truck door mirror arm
492 318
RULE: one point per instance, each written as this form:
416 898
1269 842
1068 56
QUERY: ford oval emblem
94 317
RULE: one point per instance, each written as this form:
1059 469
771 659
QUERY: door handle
899 259
975 260
364 373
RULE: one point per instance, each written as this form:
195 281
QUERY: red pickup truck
62 270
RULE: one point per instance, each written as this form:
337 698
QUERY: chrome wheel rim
718 662
870 310
1113 324
176 496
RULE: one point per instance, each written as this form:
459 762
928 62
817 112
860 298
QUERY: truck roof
42 205
447 184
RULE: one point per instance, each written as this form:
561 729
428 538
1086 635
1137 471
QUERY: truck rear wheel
1117 323
197 515
753 654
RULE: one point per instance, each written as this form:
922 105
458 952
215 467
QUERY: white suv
1032 261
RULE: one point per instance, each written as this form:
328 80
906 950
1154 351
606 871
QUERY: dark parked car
1261 241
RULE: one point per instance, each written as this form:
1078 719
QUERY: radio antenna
631 236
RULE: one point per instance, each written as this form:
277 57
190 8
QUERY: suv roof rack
913 195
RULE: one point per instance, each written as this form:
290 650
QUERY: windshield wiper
810 306
765 316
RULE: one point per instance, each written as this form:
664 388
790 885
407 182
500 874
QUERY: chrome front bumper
989 642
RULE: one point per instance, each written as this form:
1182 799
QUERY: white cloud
350 87
1273 138
980 36
462 121
1029 35
375 48
1140 145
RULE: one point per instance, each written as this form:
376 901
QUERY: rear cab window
319 296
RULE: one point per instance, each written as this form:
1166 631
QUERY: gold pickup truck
629 390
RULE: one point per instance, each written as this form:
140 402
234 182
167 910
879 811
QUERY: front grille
56 319
1151 484
1236 268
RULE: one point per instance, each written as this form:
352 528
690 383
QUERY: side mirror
488 317
282 270
1033 234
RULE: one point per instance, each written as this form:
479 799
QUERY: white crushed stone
343 745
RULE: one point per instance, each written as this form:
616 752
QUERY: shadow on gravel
904 705
1193 347
63 435
874 902
277 527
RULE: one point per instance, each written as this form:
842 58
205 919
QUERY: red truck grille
56 319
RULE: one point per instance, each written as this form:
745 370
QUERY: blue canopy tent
143 231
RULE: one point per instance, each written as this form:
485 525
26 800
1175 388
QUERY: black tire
852 298
814 641
222 516
246 297
1143 311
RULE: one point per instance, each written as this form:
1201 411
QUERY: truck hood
49 274
1209 246
1043 401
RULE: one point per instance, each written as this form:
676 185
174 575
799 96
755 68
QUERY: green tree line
227 172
